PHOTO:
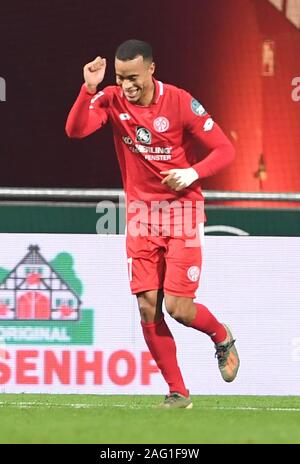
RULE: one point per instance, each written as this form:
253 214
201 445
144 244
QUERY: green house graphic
34 290
40 304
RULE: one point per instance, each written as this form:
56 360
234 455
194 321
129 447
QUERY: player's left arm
202 127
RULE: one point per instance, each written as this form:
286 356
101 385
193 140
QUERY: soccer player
154 127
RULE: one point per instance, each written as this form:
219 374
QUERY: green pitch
132 419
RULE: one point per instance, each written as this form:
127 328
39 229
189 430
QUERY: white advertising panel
68 323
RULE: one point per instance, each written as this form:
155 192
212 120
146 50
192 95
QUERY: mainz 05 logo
143 135
40 302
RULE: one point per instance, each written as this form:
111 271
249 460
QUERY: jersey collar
159 90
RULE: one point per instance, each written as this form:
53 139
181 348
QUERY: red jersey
154 138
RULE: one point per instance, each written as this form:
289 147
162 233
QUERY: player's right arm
90 110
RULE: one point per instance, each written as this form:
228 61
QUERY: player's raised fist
94 72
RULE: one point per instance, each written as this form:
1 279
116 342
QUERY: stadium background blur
237 57
240 59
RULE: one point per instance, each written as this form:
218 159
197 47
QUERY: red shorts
170 263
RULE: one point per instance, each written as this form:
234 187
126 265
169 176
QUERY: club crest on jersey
143 135
197 108
193 273
161 124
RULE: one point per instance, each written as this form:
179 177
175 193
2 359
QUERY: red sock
206 322
162 346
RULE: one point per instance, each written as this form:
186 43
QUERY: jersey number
129 261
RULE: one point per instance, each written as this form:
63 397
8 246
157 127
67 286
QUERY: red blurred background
238 57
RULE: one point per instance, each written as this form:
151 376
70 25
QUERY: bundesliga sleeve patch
197 108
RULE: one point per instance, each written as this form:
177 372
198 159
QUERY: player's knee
178 308
147 312
174 309
147 307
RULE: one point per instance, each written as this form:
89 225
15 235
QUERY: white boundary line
22 405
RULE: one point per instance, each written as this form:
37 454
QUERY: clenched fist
93 73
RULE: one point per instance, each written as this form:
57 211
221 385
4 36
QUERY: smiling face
135 78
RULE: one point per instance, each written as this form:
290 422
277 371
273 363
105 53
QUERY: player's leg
161 344
146 269
150 306
195 315
182 275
